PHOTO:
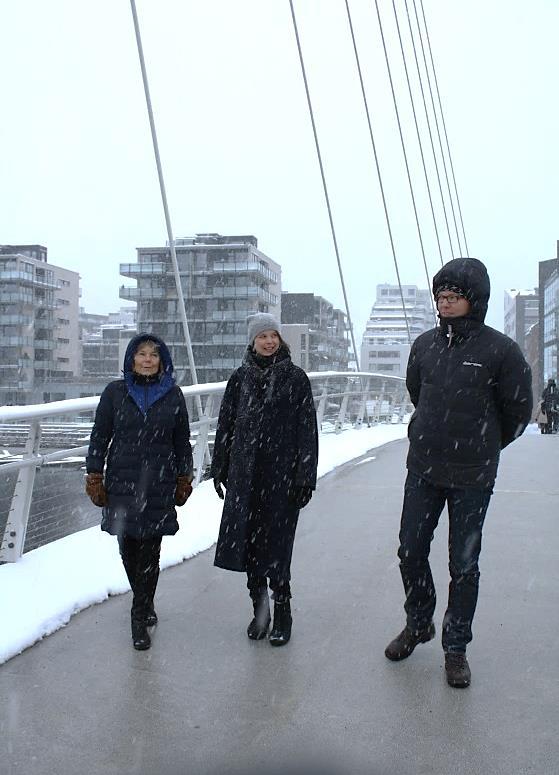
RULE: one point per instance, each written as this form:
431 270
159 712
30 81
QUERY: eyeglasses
452 298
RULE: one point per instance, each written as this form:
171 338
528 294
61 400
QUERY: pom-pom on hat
261 321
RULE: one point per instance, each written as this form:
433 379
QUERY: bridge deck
204 699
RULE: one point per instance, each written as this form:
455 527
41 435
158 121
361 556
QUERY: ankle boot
151 617
140 635
281 631
258 628
404 643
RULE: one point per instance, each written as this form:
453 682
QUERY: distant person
141 432
471 388
550 405
541 418
266 452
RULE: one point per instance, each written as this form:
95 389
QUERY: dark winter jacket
550 397
266 444
141 430
471 388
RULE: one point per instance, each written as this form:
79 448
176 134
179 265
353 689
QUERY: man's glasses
452 298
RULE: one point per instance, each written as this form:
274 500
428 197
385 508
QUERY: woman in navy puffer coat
141 432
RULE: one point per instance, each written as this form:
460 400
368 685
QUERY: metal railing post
13 541
343 409
201 451
359 419
322 404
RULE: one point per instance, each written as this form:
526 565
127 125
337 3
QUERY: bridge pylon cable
180 296
403 144
420 144
443 122
377 165
324 186
434 109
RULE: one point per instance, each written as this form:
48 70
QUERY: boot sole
277 643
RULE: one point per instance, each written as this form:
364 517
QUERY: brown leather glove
95 488
183 490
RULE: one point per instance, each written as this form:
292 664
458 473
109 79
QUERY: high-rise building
521 312
103 349
323 345
223 279
549 317
386 344
39 308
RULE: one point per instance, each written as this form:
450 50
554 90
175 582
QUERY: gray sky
77 170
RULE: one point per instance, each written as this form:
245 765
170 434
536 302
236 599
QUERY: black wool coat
266 444
145 449
471 388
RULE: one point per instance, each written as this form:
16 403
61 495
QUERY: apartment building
322 345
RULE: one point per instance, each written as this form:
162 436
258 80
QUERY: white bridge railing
342 399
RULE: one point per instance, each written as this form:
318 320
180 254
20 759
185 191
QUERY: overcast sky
76 163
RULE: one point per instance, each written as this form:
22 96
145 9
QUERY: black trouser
423 504
258 585
140 557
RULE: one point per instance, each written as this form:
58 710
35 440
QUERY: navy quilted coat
141 432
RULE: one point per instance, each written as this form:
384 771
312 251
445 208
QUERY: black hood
471 276
164 353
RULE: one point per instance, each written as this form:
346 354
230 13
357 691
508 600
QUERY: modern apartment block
549 317
521 312
39 309
224 279
385 346
103 349
323 346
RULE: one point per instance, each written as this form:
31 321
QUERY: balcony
16 320
247 267
17 341
241 292
12 275
136 294
231 314
223 363
229 339
43 344
147 269
16 297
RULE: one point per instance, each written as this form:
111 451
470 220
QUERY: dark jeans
423 504
140 558
257 585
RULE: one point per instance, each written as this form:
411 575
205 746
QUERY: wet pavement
205 699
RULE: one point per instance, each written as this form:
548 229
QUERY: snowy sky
76 161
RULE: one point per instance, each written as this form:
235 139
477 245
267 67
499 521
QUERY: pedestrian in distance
265 454
471 389
541 418
139 467
550 405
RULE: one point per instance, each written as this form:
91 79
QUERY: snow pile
46 587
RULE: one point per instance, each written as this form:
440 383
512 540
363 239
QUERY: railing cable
377 164
327 198
443 122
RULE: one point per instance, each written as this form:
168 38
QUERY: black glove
219 489
301 496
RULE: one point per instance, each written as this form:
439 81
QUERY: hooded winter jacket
471 388
266 444
141 429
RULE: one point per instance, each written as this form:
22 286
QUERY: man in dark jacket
550 405
471 388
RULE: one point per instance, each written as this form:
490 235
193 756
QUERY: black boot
457 670
258 628
404 643
140 635
281 631
151 617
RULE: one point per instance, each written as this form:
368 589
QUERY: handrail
338 402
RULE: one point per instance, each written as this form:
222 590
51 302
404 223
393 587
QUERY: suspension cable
180 297
444 125
408 173
327 198
420 149
431 139
437 127
379 174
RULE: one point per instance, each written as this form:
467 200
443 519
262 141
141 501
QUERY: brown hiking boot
403 645
458 673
